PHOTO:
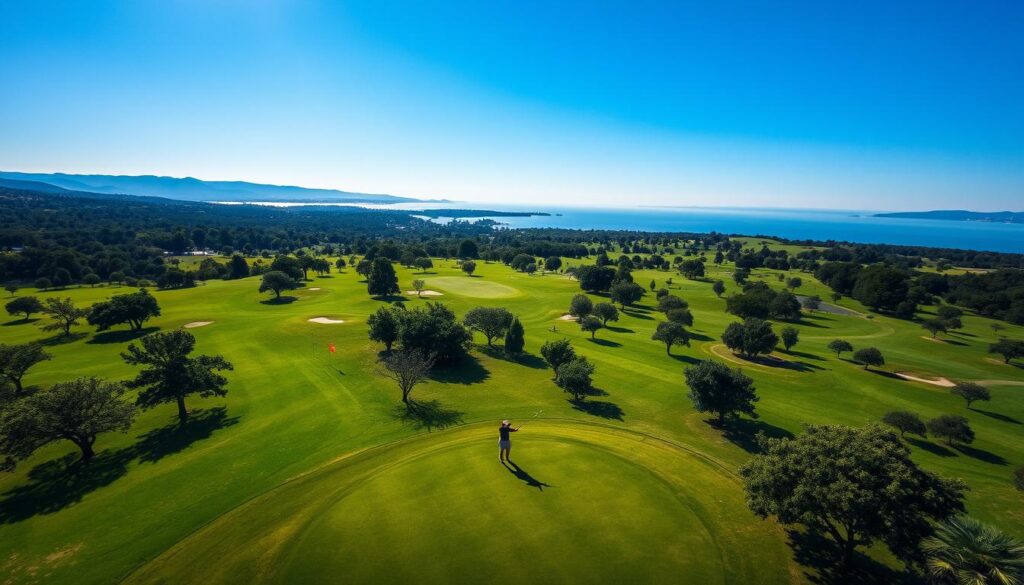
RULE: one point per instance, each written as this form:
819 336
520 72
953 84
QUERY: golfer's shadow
520 473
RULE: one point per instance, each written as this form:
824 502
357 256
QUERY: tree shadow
981 455
698 336
684 358
62 339
16 322
637 315
743 432
59 483
955 342
524 359
283 300
885 374
806 355
428 415
604 342
930 447
777 362
619 329
468 370
997 416
823 557
156 444
391 298
600 408
122 336
807 323
523 476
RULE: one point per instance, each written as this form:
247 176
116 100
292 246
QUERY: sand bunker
195 324
567 317
945 383
314 288
424 293
325 321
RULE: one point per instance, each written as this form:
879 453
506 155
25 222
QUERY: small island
960 215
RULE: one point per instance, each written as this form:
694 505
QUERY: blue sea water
851 226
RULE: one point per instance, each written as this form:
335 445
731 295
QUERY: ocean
852 226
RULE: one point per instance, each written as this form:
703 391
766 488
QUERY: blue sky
867 105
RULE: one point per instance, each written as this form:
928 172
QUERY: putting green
584 502
475 287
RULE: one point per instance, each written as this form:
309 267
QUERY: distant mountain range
187 189
961 215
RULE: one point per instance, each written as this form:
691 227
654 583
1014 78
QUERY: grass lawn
308 472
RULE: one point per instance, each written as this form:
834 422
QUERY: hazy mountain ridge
960 215
192 189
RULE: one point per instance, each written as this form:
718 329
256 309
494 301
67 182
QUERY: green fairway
310 471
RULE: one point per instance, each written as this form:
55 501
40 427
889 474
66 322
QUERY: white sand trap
325 321
935 339
424 293
195 324
567 317
314 288
945 383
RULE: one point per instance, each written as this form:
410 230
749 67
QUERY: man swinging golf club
505 440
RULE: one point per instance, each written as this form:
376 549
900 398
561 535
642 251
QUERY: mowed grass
307 469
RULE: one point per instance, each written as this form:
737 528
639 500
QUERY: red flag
330 348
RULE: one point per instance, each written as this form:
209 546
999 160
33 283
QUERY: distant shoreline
960 215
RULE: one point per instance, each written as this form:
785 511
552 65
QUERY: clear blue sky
867 105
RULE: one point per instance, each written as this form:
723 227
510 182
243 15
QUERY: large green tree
719 390
574 377
856 485
76 411
24 306
557 352
384 325
671 333
277 282
382 280
170 374
133 308
492 322
16 360
515 338
64 313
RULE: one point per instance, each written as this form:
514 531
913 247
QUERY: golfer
505 440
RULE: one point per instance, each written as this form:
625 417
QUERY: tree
905 422
408 368
521 261
239 268
383 326
468 249
417 285
1008 348
91 279
606 312
558 352
25 306
718 288
552 263
963 550
670 302
811 303
595 278
515 339
16 360
11 288
574 377
869 356
682 316
580 306
750 338
169 374
77 411
719 390
493 322
289 265
692 269
790 336
839 346
951 427
116 277
856 485
277 282
424 263
880 287
133 308
626 293
794 283
340 264
42 283
671 333
732 337
433 330
382 280
64 313
949 313
591 324
364 267
784 305
996 326
934 326
971 392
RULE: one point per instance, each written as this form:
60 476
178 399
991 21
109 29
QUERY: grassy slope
292 407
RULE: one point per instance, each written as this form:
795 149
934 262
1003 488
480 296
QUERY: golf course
311 469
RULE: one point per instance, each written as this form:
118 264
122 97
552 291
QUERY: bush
574 377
